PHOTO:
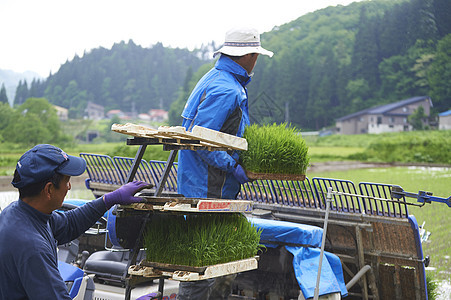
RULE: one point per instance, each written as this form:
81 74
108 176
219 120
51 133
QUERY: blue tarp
306 257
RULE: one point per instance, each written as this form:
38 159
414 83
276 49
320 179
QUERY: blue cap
42 162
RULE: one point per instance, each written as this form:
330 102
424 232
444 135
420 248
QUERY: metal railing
369 198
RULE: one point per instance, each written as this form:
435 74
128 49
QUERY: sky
42 35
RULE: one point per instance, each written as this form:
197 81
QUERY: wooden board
194 205
188 274
207 137
270 176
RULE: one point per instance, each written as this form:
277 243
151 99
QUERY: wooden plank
181 204
212 271
219 137
201 137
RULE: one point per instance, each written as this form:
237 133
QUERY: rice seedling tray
188 273
195 205
199 137
275 176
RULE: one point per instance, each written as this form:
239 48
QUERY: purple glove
240 174
125 194
148 296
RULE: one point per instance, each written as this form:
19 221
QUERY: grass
10 154
200 239
437 216
337 153
415 146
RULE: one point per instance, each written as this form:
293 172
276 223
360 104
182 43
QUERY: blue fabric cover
305 259
69 272
287 232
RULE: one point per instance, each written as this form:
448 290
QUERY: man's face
253 61
58 194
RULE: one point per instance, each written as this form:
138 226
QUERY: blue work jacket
219 102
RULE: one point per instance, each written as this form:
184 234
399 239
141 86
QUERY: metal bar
157 141
160 288
164 177
323 242
361 260
136 162
134 252
316 220
357 276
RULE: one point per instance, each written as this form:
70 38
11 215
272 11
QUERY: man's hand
125 194
240 174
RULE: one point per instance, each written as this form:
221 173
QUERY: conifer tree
3 96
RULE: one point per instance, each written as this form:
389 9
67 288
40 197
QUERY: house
391 117
94 111
158 115
61 112
144 117
115 112
444 120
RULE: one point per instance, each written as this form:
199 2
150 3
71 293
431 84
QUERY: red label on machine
214 205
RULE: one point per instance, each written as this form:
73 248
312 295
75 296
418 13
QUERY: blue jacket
219 102
28 248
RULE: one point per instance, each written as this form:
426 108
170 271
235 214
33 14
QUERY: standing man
219 102
31 229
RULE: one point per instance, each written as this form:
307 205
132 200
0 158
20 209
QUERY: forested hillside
127 77
327 64
343 59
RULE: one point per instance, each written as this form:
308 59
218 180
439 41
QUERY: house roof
384 109
445 113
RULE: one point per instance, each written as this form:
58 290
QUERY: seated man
31 229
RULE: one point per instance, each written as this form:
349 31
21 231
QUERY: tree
35 122
6 114
3 96
439 75
21 93
416 119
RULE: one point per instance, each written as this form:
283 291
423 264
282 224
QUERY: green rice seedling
200 239
276 149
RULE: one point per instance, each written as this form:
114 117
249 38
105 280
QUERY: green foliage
431 286
125 77
439 74
191 80
340 60
153 152
327 64
3 96
417 118
32 123
402 147
430 147
275 149
200 239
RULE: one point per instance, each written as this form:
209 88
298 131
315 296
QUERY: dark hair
35 188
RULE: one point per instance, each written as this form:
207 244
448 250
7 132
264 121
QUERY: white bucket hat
242 41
